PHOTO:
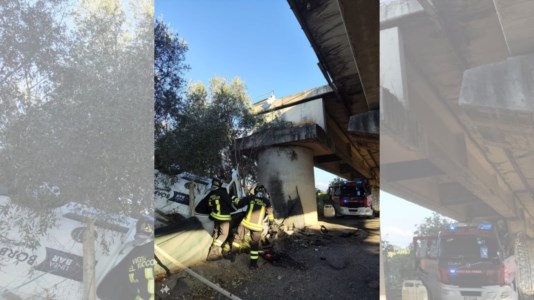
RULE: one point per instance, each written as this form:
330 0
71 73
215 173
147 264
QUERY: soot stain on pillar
294 204
291 154
284 205
277 196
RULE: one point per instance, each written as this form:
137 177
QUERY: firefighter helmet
260 190
144 227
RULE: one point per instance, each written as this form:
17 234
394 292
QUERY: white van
413 290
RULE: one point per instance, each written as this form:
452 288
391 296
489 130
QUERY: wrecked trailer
53 267
173 201
180 245
185 242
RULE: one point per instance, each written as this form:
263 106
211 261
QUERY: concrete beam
393 13
311 132
407 170
505 85
326 159
453 193
515 18
361 22
365 123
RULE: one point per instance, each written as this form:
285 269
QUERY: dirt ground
341 262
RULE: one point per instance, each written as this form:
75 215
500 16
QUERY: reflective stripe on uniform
235 244
253 254
221 217
215 203
271 217
217 243
262 214
248 223
252 226
149 275
250 209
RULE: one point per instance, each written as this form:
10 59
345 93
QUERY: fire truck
352 198
467 261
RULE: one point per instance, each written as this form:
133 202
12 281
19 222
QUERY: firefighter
255 207
220 206
133 276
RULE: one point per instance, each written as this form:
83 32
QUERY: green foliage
432 225
206 128
84 132
76 115
337 180
169 67
322 199
276 123
33 43
399 266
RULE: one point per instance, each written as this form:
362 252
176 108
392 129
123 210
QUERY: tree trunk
192 198
89 282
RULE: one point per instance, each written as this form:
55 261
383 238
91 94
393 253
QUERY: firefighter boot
227 254
253 265
214 254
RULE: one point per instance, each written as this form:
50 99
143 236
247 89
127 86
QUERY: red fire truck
466 261
352 198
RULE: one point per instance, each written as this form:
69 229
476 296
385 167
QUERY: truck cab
352 198
465 261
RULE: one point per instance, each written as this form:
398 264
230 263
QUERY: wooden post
89 282
192 198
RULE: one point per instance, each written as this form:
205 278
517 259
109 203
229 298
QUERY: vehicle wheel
523 248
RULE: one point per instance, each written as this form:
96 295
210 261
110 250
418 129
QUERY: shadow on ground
335 259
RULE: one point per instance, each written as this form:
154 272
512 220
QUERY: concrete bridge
334 127
456 84
457 110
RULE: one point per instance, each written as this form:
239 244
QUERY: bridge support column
287 173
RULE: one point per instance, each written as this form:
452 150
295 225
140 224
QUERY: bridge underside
457 118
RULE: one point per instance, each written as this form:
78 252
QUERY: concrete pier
287 173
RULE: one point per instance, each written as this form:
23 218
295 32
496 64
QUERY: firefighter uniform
255 208
220 206
133 276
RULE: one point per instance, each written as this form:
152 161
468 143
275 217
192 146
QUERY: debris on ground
326 260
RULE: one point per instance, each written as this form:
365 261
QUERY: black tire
524 275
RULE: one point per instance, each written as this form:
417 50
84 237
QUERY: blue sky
398 219
259 41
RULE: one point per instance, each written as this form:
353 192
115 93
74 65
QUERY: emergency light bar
482 226
485 226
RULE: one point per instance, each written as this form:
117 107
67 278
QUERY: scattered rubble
324 261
